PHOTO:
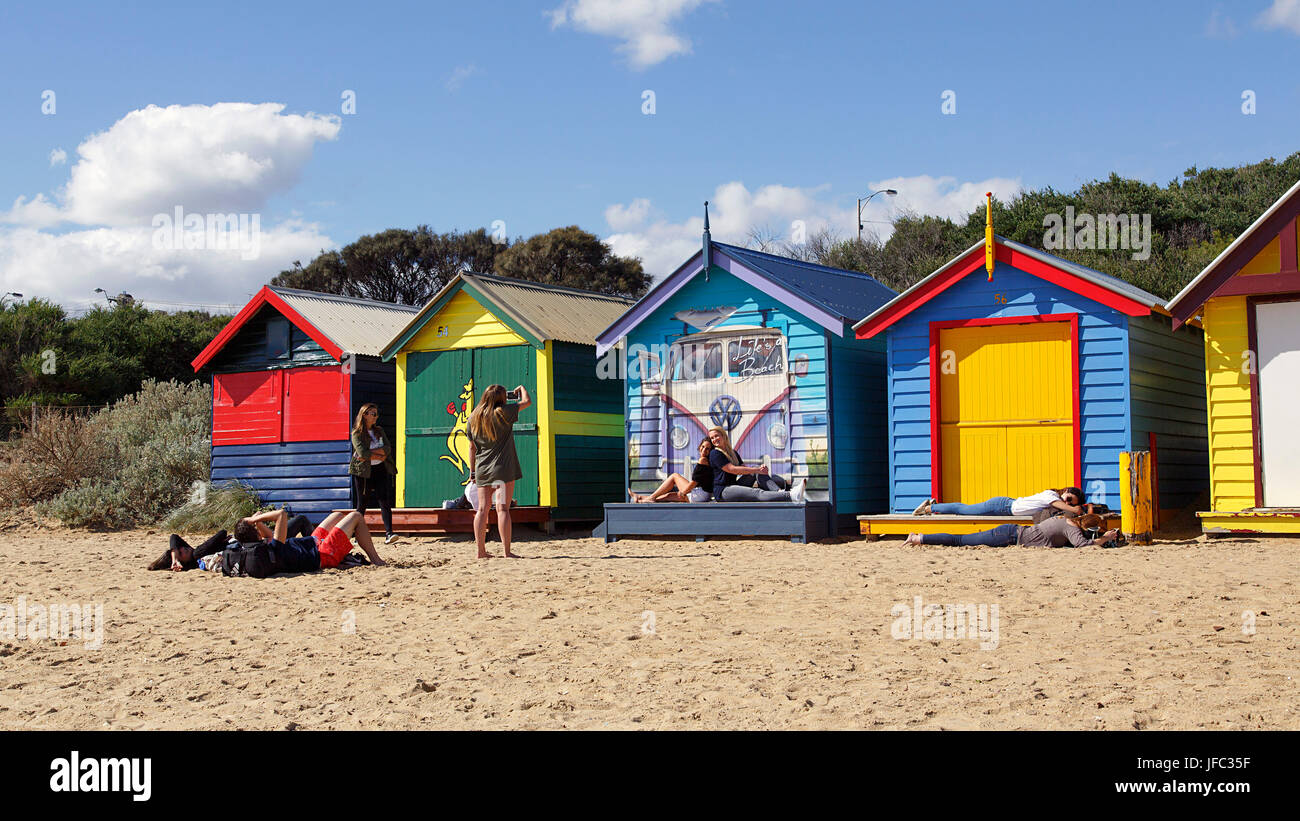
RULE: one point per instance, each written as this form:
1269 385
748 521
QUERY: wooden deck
414 520
1280 520
901 524
800 522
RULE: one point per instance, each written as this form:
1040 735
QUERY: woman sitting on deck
1067 499
733 481
677 488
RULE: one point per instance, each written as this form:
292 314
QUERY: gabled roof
536 311
1104 288
829 296
338 324
1242 250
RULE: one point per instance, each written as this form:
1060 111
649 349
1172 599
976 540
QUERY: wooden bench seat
900 524
442 520
800 522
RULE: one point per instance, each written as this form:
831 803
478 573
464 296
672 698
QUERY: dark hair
360 425
246 531
1078 494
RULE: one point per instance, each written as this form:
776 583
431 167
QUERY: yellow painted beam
1247 522
581 423
898 525
1135 495
547 490
401 429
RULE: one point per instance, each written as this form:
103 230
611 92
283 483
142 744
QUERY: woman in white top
1069 499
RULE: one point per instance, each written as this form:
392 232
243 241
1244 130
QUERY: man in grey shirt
1058 531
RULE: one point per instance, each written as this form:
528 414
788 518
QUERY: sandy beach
660 634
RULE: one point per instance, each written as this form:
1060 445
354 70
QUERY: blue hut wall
1168 399
859 420
806 442
1104 408
310 477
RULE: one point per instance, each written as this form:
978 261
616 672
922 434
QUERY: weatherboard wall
1167 377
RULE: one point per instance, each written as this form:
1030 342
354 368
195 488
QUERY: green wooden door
439 397
510 366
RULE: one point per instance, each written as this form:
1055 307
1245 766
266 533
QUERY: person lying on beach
734 481
249 530
677 488
1066 500
1058 531
326 547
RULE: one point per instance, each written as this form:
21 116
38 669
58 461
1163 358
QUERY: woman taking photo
733 481
493 462
1067 499
372 467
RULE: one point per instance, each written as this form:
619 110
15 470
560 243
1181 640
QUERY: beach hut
762 346
482 329
1036 378
1248 302
289 374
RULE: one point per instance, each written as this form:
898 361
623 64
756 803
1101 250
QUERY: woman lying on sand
677 488
1067 499
1055 532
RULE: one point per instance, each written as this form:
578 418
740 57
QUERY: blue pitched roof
850 295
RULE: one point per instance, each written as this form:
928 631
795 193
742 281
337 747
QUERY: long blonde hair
488 419
725 447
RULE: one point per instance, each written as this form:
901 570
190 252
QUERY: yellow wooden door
1006 410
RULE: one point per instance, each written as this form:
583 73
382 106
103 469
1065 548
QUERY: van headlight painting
679 437
776 435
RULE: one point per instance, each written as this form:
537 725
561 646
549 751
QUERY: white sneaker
797 492
391 537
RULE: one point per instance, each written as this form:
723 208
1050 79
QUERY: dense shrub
128 464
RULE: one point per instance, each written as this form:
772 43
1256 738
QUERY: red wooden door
246 408
315 404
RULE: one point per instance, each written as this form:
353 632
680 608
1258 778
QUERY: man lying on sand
1059 531
326 547
248 531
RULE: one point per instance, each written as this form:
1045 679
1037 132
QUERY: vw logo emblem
725 412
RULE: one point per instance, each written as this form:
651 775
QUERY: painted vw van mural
739 378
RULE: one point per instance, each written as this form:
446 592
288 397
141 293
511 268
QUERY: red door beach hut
1036 378
289 373
1248 302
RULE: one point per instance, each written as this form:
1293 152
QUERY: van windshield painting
695 361
754 356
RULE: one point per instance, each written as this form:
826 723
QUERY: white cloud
662 245
459 76
644 26
1220 26
1282 14
228 158
58 157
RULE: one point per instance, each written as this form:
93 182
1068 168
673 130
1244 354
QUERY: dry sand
746 634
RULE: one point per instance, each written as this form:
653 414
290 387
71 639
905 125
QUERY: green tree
574 258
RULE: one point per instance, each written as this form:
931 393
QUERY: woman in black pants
372 467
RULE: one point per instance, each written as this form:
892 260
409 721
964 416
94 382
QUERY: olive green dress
498 461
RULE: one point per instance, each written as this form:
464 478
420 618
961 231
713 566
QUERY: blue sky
531 113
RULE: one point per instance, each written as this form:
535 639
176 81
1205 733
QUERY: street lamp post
864 200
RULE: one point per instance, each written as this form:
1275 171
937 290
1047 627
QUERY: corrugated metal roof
1106 281
362 326
552 311
850 295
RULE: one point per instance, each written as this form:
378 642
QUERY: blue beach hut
762 346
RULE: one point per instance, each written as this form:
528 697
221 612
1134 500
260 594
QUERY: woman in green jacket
372 466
